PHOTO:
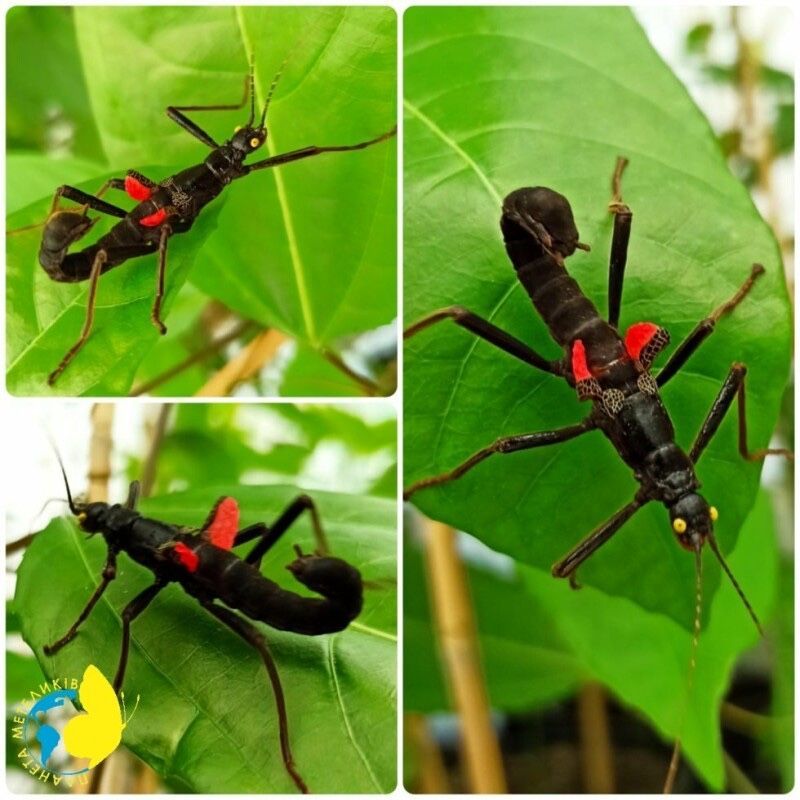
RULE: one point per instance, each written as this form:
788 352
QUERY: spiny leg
488 332
594 541
733 386
155 313
174 113
252 636
313 150
619 243
84 198
109 573
270 534
705 328
508 444
129 613
94 277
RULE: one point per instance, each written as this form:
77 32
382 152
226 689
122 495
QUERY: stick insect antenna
272 90
72 506
698 607
715 549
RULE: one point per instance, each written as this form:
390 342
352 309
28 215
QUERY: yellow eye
679 525
713 513
237 129
254 142
82 516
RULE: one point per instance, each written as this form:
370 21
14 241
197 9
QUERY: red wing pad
136 189
154 220
585 383
186 556
644 341
222 523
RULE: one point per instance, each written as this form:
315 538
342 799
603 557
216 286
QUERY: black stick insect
612 371
163 210
206 568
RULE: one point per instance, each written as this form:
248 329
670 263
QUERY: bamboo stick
458 644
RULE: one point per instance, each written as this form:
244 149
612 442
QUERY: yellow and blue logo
51 734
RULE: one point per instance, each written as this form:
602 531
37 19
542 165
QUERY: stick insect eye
255 142
679 525
713 513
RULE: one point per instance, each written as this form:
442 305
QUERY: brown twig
19 544
243 366
151 460
194 358
432 774
100 445
370 388
458 644
597 759
737 781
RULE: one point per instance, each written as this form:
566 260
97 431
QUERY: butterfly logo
96 733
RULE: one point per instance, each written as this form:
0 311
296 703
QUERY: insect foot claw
573 582
160 326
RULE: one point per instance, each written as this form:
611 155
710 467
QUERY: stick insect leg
705 328
155 313
252 636
109 573
313 150
490 333
176 115
508 444
94 276
568 565
733 386
89 200
270 534
619 243
129 613
134 490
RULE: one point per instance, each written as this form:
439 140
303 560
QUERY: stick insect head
248 138
90 516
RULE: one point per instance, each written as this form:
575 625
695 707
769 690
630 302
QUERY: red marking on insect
580 368
136 189
186 556
154 219
221 531
638 336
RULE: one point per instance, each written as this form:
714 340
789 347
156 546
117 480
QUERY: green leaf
499 98
783 129
780 743
698 37
22 675
310 247
44 318
207 720
31 176
527 666
47 105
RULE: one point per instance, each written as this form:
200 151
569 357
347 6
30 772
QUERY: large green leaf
309 248
207 721
44 318
499 98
